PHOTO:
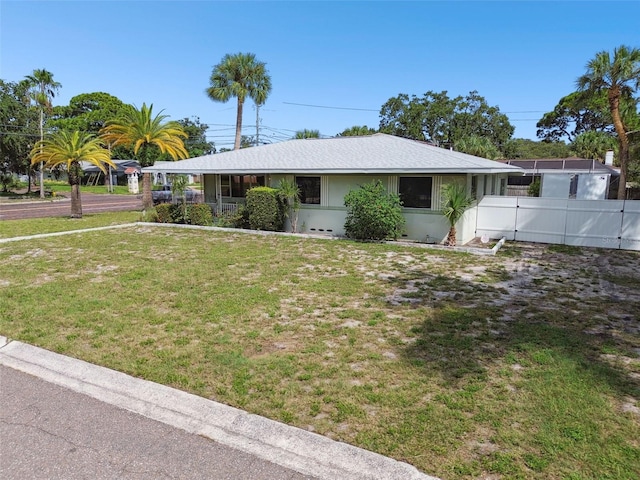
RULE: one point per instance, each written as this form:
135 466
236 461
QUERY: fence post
624 204
515 226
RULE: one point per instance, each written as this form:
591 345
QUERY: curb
471 250
287 446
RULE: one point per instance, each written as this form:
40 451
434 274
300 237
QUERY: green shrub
265 209
149 215
170 213
200 214
240 219
534 188
373 213
163 212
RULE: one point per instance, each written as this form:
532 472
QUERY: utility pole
257 124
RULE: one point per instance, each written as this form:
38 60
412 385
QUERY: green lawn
61 187
523 365
19 228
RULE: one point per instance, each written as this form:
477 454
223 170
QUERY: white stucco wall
421 224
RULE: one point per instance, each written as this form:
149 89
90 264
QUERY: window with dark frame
474 186
415 192
236 186
309 190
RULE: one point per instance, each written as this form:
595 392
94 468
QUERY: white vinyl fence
587 223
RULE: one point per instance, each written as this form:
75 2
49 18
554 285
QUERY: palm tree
478 146
593 145
44 88
456 202
68 149
141 130
619 77
306 133
290 193
357 131
240 76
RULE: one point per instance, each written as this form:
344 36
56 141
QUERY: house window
309 190
503 186
236 186
415 192
474 186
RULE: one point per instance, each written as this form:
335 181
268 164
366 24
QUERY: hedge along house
325 170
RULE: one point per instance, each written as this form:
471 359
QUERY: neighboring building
94 176
327 169
161 178
566 178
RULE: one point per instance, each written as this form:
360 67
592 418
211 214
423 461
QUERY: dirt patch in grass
522 365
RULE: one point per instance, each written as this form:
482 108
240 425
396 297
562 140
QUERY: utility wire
333 108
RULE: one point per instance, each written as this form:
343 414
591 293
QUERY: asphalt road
91 203
50 432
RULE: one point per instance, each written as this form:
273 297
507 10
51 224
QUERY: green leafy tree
593 145
68 149
619 77
196 142
149 136
441 120
357 131
574 114
373 213
240 75
306 133
456 201
20 129
478 146
247 141
526 148
89 112
43 90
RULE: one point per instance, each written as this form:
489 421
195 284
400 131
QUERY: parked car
165 195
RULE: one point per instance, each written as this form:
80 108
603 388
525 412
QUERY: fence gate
586 223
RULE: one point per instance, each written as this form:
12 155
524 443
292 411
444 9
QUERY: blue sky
521 56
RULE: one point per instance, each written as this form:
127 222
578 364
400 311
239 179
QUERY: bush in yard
534 188
163 212
170 213
200 214
149 215
373 213
265 208
240 219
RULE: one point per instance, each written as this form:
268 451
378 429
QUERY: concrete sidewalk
65 418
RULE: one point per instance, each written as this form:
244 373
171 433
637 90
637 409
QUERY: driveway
91 203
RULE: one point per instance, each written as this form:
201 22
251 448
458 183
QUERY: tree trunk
236 145
147 199
623 141
76 203
451 238
41 163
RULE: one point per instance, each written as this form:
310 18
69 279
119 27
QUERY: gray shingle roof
379 153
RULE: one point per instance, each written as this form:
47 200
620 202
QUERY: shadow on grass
466 332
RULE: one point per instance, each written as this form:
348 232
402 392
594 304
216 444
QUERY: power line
332 108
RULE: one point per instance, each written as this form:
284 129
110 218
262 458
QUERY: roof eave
331 171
